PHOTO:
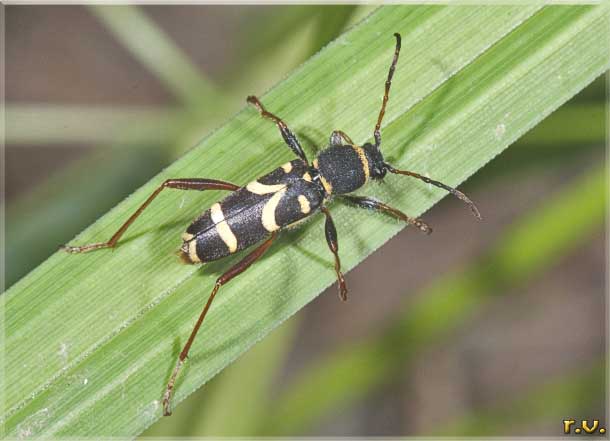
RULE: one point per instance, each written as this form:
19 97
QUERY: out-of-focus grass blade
282 38
149 44
594 92
330 21
570 395
529 247
98 334
269 28
48 124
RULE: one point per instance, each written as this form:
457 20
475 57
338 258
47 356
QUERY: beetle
278 200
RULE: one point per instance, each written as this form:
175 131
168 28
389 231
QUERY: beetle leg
339 138
180 184
289 137
331 239
232 272
372 204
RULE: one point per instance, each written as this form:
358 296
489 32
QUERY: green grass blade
149 44
48 124
530 246
280 23
98 334
573 394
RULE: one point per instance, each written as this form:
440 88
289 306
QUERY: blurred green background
483 328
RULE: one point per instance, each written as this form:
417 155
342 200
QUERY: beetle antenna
458 194
388 83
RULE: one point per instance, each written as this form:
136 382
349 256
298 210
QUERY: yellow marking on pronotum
268 219
363 160
258 188
304 202
187 236
287 167
307 177
222 228
326 185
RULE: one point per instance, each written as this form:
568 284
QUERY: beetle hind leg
179 184
232 272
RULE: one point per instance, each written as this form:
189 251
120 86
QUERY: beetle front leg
458 194
289 137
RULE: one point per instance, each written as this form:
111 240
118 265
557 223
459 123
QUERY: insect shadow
308 136
437 101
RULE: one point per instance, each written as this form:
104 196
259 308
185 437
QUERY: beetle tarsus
167 396
85 248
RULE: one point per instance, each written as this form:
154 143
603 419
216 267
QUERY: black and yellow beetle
279 200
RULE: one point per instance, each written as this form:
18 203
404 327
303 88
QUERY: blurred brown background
525 357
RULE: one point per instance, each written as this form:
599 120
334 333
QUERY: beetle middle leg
289 137
331 239
372 204
232 272
180 184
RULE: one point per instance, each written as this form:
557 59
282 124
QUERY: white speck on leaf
85 381
63 352
500 131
